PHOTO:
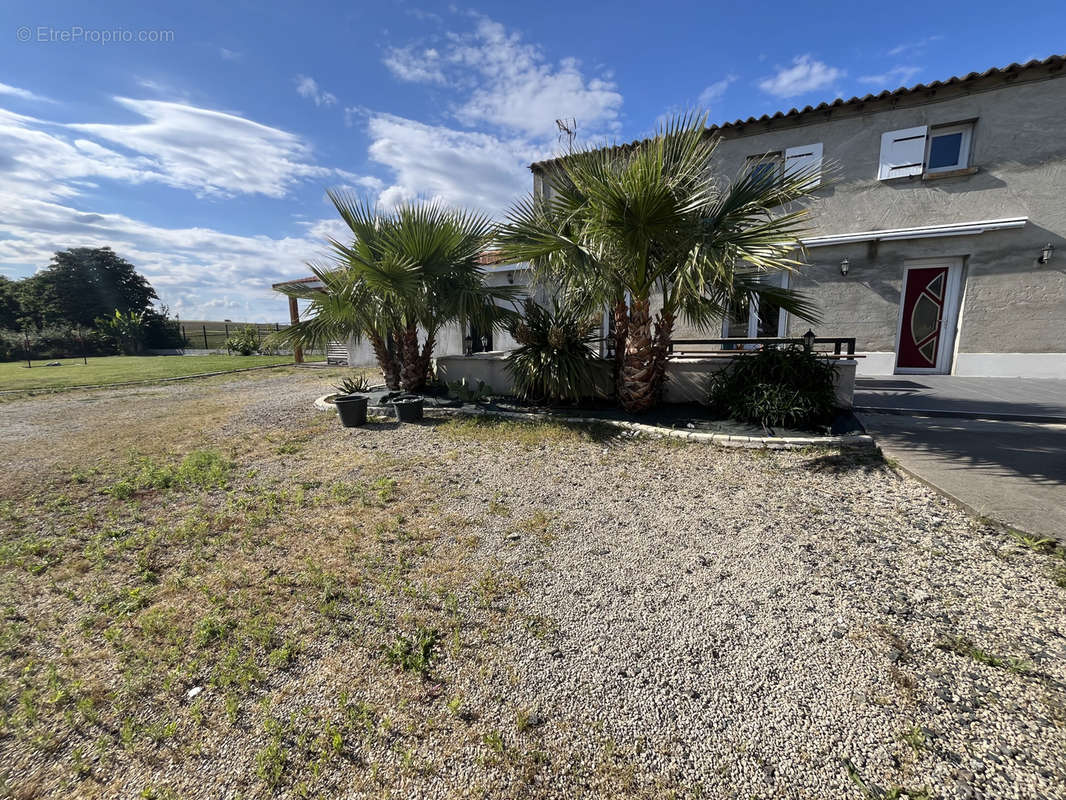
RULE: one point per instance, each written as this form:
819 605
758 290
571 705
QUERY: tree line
87 300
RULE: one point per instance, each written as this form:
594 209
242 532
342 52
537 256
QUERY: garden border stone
854 440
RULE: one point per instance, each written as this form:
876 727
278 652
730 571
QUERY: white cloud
463 168
308 87
510 83
714 92
46 167
230 55
805 75
910 47
415 65
192 269
210 152
892 78
23 94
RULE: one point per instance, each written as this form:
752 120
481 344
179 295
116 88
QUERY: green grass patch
121 369
203 469
962 646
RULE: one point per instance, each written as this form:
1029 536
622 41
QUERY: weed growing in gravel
1035 543
1058 575
962 646
528 434
914 738
415 652
871 791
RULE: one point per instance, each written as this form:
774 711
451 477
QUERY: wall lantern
844 265
1046 253
808 340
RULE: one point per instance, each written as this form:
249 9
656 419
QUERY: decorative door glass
920 334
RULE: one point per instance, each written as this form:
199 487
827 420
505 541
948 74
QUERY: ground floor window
479 341
759 317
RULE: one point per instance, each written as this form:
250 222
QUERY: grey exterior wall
1010 303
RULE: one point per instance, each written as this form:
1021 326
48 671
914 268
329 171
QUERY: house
938 243
939 233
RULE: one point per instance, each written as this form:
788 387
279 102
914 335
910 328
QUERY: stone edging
720 439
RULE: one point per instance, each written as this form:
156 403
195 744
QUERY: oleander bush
776 387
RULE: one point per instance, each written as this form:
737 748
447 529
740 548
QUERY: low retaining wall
686 379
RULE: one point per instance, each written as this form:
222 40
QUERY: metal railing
842 345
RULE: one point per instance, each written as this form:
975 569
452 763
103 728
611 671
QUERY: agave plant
620 225
404 273
555 360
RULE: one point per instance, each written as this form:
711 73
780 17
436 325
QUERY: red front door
921 334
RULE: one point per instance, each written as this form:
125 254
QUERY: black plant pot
408 407
352 409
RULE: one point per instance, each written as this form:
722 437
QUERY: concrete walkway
1021 399
968 438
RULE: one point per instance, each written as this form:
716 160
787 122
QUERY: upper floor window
949 148
924 150
765 167
805 160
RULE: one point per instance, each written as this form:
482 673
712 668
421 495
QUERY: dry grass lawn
209 589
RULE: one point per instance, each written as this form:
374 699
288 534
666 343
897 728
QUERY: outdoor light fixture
808 338
844 266
1046 253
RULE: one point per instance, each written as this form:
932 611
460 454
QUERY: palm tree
342 309
408 271
622 225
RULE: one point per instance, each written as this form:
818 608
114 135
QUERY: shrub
554 360
466 393
777 386
245 341
56 342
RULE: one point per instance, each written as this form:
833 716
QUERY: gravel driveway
692 621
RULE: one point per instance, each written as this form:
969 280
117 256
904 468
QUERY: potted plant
408 407
351 406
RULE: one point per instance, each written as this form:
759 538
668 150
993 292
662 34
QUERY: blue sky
201 147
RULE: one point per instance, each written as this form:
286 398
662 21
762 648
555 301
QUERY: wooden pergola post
294 317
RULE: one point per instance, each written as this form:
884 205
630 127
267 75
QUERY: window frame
779 278
965 145
773 157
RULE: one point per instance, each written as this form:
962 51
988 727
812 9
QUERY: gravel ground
693 621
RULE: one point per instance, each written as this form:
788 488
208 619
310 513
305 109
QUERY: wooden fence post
294 317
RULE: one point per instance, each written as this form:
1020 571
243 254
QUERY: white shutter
806 160
902 153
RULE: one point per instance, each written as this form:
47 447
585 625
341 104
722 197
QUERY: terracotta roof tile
1055 62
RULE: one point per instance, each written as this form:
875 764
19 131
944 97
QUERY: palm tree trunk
424 361
621 332
637 392
412 378
390 370
664 331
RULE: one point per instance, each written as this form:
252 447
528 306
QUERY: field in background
118 369
211 334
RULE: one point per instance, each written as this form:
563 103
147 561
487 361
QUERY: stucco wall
1011 304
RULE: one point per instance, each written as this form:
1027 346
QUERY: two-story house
938 242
